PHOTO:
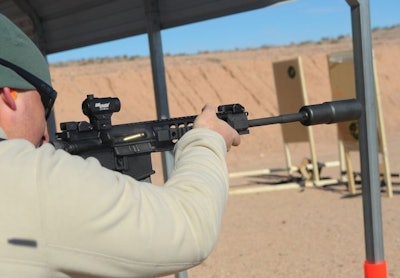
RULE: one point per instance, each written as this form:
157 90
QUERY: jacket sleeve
100 222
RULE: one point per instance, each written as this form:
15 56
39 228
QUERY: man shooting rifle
63 215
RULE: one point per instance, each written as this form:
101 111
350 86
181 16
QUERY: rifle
127 148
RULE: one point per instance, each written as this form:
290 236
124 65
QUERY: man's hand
208 119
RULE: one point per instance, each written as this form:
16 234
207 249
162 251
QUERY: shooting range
63 25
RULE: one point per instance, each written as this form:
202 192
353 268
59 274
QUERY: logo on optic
102 106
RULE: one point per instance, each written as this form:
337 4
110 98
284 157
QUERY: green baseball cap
18 49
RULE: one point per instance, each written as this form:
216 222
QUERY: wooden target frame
291 95
342 81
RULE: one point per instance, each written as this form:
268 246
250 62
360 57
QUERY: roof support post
158 73
159 83
369 150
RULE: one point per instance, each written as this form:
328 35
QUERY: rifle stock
127 148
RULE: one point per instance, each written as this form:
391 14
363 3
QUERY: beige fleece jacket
64 216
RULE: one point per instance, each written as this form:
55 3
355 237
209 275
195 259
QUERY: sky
292 22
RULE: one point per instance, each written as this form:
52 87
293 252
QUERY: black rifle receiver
127 148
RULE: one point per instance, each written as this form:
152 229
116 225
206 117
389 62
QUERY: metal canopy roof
63 25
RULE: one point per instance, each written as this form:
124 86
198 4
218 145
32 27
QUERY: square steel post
374 265
158 73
